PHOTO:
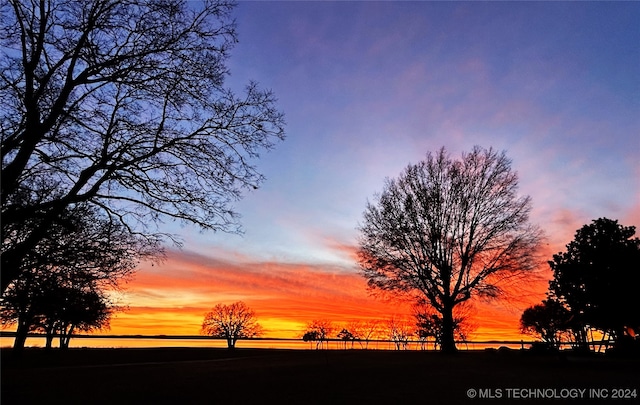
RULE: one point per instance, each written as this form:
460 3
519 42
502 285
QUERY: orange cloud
187 285
173 297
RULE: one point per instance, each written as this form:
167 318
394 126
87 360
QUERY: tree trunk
581 339
64 342
21 337
448 344
49 341
231 343
65 336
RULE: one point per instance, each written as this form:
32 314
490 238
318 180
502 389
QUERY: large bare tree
447 230
122 105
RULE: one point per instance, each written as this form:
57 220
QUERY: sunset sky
368 87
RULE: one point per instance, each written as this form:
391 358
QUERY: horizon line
10 334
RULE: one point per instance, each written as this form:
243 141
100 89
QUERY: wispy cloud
173 297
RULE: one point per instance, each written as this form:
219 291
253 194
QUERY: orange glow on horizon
171 299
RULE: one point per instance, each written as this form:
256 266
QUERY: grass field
251 376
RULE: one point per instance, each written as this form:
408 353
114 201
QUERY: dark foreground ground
268 376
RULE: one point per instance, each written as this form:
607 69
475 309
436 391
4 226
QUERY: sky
369 87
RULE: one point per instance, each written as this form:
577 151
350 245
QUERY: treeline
424 327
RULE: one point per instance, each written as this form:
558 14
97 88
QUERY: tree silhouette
447 230
364 331
122 105
312 336
24 303
429 323
550 320
55 304
346 336
71 308
596 278
231 322
318 331
83 255
400 331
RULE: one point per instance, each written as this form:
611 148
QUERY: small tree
318 331
312 336
400 331
446 230
346 336
231 322
550 321
596 278
370 330
363 332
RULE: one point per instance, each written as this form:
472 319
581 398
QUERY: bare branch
122 105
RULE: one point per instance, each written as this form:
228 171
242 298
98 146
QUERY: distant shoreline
10 334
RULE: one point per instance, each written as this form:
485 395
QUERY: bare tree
363 332
360 331
122 105
371 330
319 331
231 322
400 331
447 230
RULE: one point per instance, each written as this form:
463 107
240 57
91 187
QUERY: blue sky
368 87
